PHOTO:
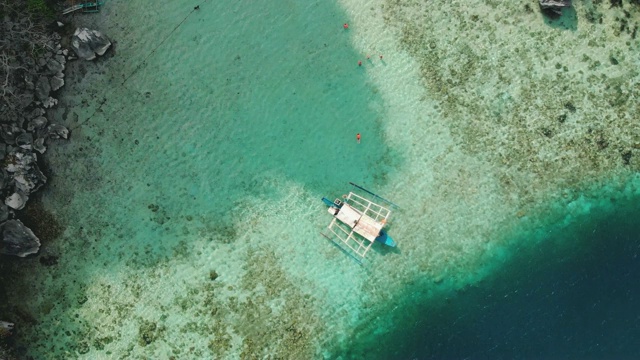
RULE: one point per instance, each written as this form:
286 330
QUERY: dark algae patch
43 222
574 296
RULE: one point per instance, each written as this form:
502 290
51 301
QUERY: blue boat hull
330 203
386 239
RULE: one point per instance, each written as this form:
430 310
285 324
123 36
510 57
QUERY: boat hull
330 203
385 239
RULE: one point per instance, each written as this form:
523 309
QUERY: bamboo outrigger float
357 223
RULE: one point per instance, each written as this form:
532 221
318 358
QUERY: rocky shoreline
32 71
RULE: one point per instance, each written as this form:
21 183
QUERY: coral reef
541 129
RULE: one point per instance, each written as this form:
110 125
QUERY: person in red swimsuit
358 137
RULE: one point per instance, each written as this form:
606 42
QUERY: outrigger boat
86 6
357 222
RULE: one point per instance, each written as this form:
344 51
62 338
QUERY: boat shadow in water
383 250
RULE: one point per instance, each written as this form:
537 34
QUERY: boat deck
360 223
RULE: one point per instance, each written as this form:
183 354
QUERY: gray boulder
28 81
37 123
60 57
87 43
4 212
17 200
18 239
50 102
5 328
4 180
22 165
36 112
54 66
38 145
25 140
56 82
9 132
43 88
56 131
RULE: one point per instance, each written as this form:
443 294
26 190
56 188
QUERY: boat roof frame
358 233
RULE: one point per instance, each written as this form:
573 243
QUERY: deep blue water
573 303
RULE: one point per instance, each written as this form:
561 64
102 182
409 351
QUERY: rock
18 239
28 81
36 112
61 59
56 83
22 164
213 275
38 145
5 180
87 43
43 88
56 131
8 116
29 182
554 6
50 102
29 62
5 328
37 123
16 200
18 159
9 132
54 66
4 212
24 140
25 99
59 24
19 122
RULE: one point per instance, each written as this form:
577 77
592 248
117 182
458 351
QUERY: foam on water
191 196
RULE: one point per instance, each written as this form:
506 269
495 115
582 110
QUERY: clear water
191 198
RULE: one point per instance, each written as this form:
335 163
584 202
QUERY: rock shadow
566 20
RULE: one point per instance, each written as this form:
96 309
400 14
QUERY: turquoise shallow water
195 212
190 200
235 94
